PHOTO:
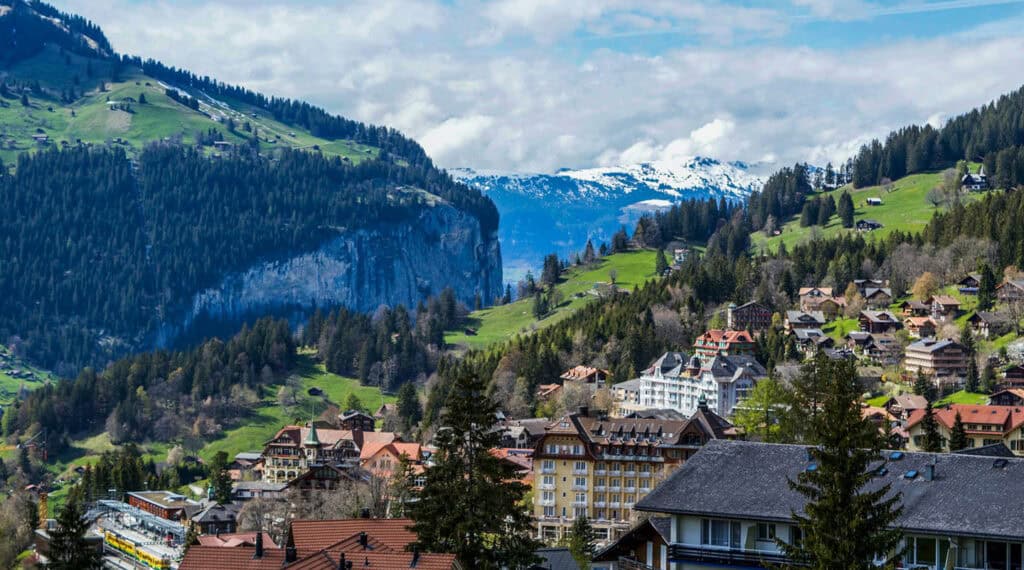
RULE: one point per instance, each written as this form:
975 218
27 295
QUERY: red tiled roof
311 536
716 336
1007 417
201 557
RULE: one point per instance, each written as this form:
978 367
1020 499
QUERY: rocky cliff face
390 264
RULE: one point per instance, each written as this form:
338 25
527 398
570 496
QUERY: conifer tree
409 408
923 386
986 289
588 253
660 263
844 524
469 502
581 542
354 403
68 547
958 435
988 379
846 210
932 437
220 479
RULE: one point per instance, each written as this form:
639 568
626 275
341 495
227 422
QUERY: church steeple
312 440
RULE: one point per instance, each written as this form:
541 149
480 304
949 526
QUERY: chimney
584 411
259 545
929 471
341 561
290 555
365 513
415 557
363 539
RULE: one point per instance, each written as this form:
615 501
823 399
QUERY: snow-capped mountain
545 213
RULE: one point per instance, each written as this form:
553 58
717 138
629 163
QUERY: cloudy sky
537 85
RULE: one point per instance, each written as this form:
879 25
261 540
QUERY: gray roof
670 363
248 456
932 345
631 385
970 495
732 368
555 559
808 334
216 512
657 414
805 317
994 450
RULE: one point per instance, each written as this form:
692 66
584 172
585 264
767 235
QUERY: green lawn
903 208
963 397
499 323
878 401
10 385
839 328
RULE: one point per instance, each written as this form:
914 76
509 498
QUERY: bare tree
935 197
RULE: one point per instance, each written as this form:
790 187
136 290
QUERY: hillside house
863 285
938 358
1013 376
585 374
883 348
732 501
354 420
723 343
679 383
811 296
1011 291
627 398
867 225
874 201
944 307
970 284
879 322
987 324
974 182
915 309
920 327
752 316
546 392
1007 397
877 297
796 320
644 546
985 425
905 404
810 341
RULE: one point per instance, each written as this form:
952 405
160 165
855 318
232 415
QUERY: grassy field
903 208
839 328
963 397
496 324
94 118
9 385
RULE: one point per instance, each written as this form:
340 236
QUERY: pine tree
68 547
845 446
958 436
846 210
588 253
191 537
932 437
923 386
581 542
469 504
988 379
400 488
354 403
409 408
986 289
973 380
507 297
220 479
660 263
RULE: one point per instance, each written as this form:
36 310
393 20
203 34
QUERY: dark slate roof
664 527
658 414
555 559
970 495
994 450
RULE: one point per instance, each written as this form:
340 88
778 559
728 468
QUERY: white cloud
547 87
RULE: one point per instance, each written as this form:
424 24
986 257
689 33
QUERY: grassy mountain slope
499 323
95 118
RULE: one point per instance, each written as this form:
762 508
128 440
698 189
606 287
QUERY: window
580 482
547 497
548 466
549 512
766 531
629 483
548 481
579 512
581 466
581 498
645 483
796 536
599 482
577 450
722 533
552 449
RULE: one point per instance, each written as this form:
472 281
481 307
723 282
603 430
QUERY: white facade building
679 383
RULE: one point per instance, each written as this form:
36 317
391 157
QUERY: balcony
630 473
547 486
579 471
599 488
579 487
725 556
615 488
644 474
547 470
547 503
630 490
600 504
600 472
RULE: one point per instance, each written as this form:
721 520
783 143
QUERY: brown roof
583 372
200 557
716 336
311 536
825 290
945 300
919 321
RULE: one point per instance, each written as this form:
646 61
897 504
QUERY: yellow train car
130 549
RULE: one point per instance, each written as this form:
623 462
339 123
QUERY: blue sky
536 85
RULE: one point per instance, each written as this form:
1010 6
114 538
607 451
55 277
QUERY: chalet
905 404
585 374
974 182
216 518
863 285
752 316
944 307
679 255
547 392
883 348
643 546
1007 397
874 201
723 343
879 322
970 284
939 358
354 420
877 297
857 340
915 309
810 341
920 327
867 225
987 324
384 410
1011 291
810 297
796 320
41 139
732 503
1013 376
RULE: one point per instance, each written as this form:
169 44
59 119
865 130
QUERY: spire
702 403
311 437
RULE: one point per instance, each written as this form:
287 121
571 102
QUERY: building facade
679 383
600 467
984 425
938 358
723 343
749 316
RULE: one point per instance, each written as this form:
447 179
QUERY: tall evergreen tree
581 542
986 289
469 504
958 435
923 386
68 547
660 263
409 408
220 479
932 437
846 210
845 525
588 253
